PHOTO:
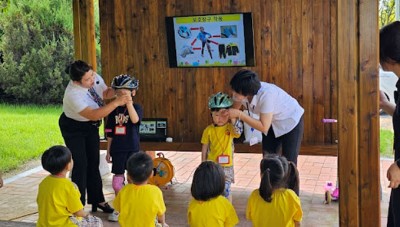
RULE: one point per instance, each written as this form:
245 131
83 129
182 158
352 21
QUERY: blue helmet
125 81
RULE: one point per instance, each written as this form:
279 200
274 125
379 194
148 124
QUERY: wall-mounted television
215 40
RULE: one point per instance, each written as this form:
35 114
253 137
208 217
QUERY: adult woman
281 116
389 57
79 123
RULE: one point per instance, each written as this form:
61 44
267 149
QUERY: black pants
394 209
82 138
289 143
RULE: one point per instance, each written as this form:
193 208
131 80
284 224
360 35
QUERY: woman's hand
123 99
393 175
234 113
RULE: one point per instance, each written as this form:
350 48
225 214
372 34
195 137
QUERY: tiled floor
17 197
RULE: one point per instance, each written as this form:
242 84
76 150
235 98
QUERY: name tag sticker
120 130
223 159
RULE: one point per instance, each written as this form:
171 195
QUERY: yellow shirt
139 205
282 211
57 199
220 142
213 213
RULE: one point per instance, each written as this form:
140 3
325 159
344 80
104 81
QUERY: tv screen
218 40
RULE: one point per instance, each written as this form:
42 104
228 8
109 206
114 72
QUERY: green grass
386 143
27 131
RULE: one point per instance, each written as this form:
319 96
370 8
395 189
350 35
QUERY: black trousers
289 143
82 138
394 209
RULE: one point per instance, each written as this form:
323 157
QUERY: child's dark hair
292 180
208 181
245 82
272 177
217 109
139 167
56 158
77 69
389 43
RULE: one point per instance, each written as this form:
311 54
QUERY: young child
139 203
122 131
58 198
292 174
273 204
217 139
208 207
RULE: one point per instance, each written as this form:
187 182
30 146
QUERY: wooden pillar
358 154
84 33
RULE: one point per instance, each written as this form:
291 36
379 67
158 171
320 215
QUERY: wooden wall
295 48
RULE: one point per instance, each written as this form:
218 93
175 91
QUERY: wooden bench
319 150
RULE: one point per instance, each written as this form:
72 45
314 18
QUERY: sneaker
113 216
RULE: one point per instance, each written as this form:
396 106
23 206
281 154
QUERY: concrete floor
18 196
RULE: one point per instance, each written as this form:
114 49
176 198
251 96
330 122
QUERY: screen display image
221 40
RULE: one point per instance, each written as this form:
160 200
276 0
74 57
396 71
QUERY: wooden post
358 154
84 33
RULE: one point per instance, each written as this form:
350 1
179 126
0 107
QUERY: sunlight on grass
26 132
386 143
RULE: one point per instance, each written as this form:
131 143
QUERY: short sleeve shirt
77 98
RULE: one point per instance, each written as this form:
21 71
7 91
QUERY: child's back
139 205
208 207
58 199
273 204
281 211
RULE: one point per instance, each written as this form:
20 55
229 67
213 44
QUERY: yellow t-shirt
213 213
139 205
220 142
283 210
57 199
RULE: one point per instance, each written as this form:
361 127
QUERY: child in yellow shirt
58 198
273 204
217 138
139 203
208 207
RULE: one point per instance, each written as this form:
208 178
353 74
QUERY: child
292 174
58 198
272 204
217 139
139 203
208 207
122 132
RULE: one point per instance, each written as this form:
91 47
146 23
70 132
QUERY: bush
36 42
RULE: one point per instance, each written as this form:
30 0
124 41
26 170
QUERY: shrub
36 43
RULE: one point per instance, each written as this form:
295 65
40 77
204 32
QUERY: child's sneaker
113 216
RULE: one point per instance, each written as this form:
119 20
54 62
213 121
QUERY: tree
387 12
36 43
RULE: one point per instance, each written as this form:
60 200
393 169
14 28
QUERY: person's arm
261 125
385 104
99 113
132 113
109 93
393 174
81 213
296 224
161 219
204 149
108 156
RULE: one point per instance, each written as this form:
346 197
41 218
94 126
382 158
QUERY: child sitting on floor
208 207
273 204
58 198
139 203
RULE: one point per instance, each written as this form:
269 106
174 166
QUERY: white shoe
113 216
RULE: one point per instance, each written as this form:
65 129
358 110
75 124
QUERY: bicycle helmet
220 101
125 81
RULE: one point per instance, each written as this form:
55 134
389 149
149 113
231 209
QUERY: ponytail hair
293 181
272 177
